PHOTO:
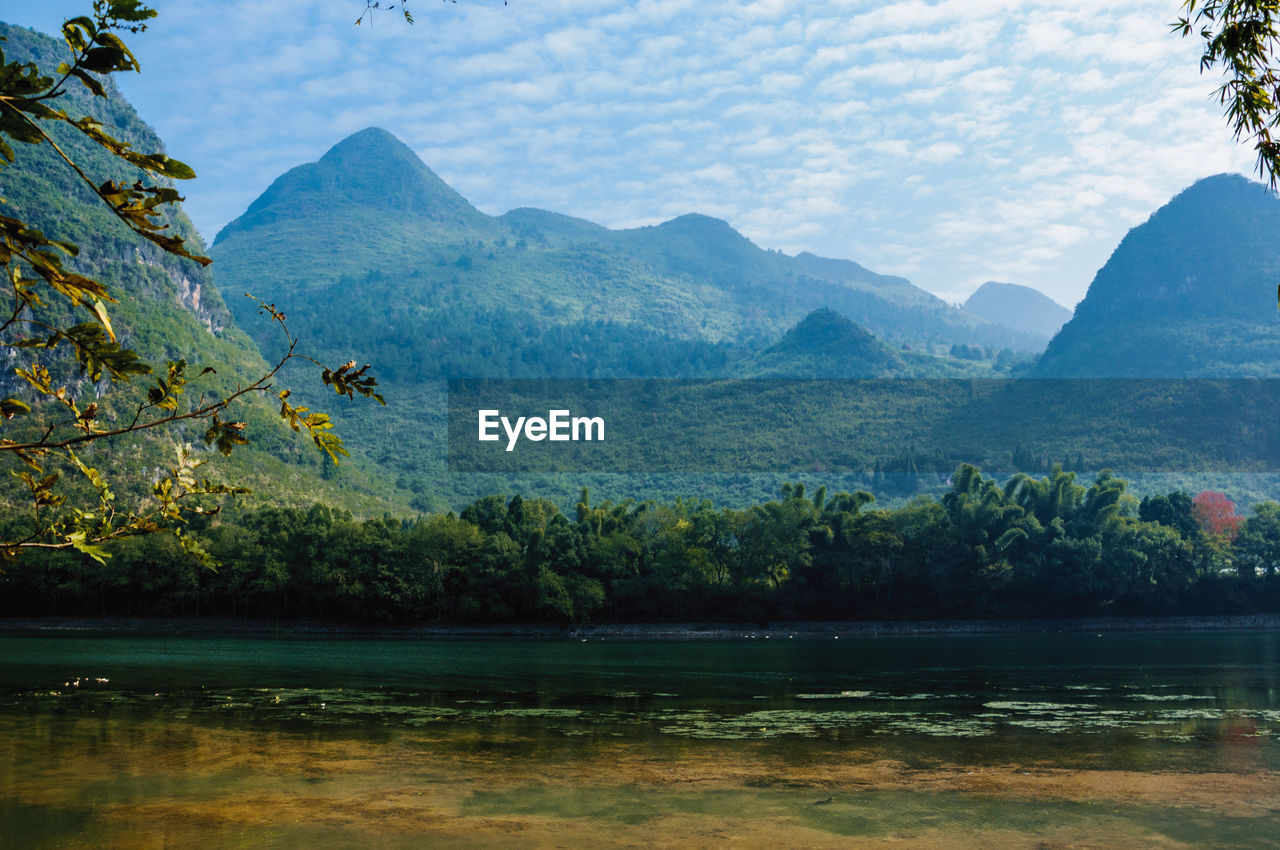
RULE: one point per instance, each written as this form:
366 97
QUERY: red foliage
1216 515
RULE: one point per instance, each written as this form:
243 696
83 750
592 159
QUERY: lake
1021 740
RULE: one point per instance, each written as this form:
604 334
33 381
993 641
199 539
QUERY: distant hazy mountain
1191 292
369 171
1018 307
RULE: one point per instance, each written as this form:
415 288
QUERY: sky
948 142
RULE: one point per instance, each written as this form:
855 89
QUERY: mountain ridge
693 276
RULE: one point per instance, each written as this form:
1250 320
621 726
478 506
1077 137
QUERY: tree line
1031 547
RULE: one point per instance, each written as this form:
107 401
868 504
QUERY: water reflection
1144 739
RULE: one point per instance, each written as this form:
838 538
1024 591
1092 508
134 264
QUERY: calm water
1149 740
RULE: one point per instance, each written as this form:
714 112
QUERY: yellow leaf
100 310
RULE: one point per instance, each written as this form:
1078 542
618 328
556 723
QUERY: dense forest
1046 547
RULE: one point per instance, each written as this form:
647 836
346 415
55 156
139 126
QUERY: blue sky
949 142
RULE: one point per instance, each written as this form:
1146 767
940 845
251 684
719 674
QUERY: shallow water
1146 740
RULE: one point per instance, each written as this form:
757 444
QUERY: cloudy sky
949 142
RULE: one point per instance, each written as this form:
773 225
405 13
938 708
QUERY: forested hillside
168 308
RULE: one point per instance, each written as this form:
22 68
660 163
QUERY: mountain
548 227
371 170
1019 307
1189 293
168 307
826 345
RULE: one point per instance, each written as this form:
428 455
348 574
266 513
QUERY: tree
775 539
1216 515
1242 37
1173 510
56 355
1257 546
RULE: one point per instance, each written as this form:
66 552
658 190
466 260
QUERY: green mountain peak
697 224
699 243
827 344
1197 254
370 170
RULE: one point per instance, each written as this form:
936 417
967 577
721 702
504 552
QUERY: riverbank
635 631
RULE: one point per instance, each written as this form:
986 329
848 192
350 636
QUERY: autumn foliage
1216 515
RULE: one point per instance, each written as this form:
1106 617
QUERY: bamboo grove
1031 547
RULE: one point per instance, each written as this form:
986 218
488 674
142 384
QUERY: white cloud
939 152
955 141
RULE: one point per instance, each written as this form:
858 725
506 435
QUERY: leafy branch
53 425
1242 37
372 7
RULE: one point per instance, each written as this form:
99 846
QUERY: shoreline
223 627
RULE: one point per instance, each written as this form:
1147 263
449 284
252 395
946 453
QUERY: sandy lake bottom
1060 741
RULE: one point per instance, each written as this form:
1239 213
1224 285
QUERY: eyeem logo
559 426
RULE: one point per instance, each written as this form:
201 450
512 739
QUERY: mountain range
374 258
435 276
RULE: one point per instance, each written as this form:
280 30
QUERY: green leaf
17 128
35 108
78 33
172 168
79 542
100 310
130 11
95 477
89 82
227 435
193 547
106 60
